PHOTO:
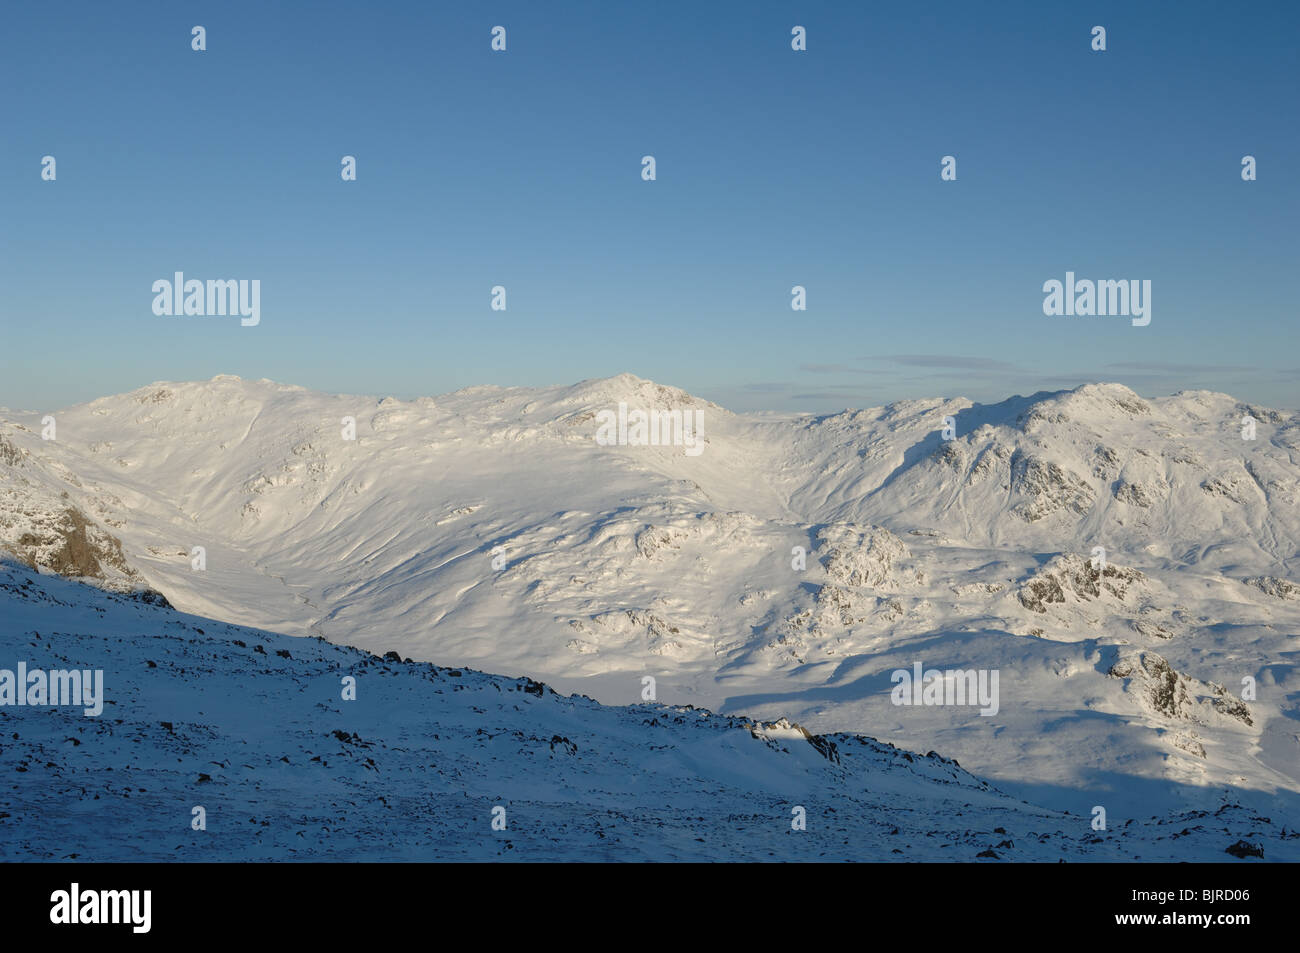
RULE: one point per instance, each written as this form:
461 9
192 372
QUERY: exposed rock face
1135 494
865 568
1271 585
9 454
1244 848
1072 574
1262 414
43 528
1238 488
861 556
1174 695
1151 629
1046 488
1166 689
629 627
71 545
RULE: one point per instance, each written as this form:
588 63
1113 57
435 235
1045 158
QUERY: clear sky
774 168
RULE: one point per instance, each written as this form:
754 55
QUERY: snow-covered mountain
490 528
217 742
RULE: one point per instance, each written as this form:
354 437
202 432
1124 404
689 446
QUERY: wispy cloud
834 369
949 361
1171 367
830 393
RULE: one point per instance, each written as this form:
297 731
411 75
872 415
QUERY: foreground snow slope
618 562
251 727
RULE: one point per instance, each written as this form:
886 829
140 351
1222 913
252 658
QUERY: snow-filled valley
1126 566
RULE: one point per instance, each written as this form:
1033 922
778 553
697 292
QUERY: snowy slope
252 728
619 562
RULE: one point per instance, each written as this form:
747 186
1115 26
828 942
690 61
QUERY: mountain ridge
488 527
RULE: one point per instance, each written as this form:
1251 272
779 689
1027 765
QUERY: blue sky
775 168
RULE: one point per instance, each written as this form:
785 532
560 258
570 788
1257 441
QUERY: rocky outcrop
1171 694
1273 586
71 545
1070 574
1046 488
